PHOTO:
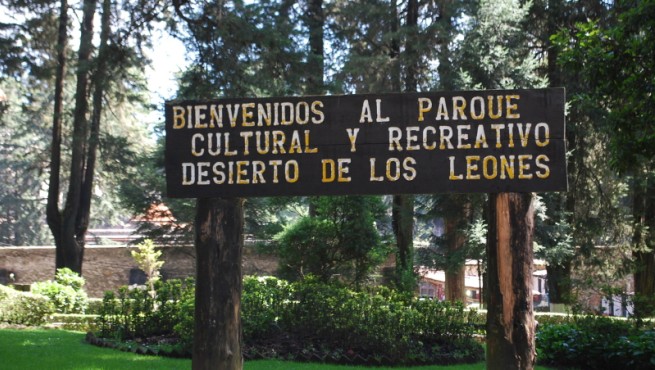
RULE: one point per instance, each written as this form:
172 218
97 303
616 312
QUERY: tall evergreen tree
234 58
386 47
36 75
457 210
613 60
574 218
69 225
27 64
497 55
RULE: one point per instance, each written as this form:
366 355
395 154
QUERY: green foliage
596 343
22 308
311 320
340 240
77 322
147 258
262 302
376 327
66 277
66 291
611 59
22 145
129 313
95 304
496 52
233 55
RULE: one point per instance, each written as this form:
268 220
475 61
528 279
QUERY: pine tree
612 59
497 55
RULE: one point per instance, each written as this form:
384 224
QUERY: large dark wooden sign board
466 141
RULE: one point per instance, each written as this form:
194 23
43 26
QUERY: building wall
109 267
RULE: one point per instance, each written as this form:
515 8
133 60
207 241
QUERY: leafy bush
344 240
129 313
262 301
596 343
552 318
22 308
378 327
94 306
147 258
310 321
66 291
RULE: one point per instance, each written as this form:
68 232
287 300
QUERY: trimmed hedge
309 321
22 308
76 322
335 324
596 342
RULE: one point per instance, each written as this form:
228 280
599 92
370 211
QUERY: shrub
77 322
129 313
21 308
309 321
334 324
594 342
147 258
66 291
262 301
94 306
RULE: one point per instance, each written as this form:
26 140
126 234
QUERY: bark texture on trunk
402 211
70 234
53 216
403 228
455 239
510 319
643 241
219 248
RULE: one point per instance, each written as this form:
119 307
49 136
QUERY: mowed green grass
58 349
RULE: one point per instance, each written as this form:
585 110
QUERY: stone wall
109 267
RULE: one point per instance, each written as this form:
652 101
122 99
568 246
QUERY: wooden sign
433 142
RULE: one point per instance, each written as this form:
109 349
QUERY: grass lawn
58 349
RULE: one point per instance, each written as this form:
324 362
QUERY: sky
167 61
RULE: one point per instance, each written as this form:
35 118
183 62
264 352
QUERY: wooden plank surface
412 143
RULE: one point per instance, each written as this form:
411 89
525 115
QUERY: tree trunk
402 211
99 82
315 62
402 215
559 283
644 244
559 276
70 250
219 246
53 216
315 20
411 59
454 289
447 69
510 320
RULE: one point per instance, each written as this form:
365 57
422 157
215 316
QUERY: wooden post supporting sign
510 318
219 243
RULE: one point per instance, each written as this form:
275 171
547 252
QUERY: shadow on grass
59 349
